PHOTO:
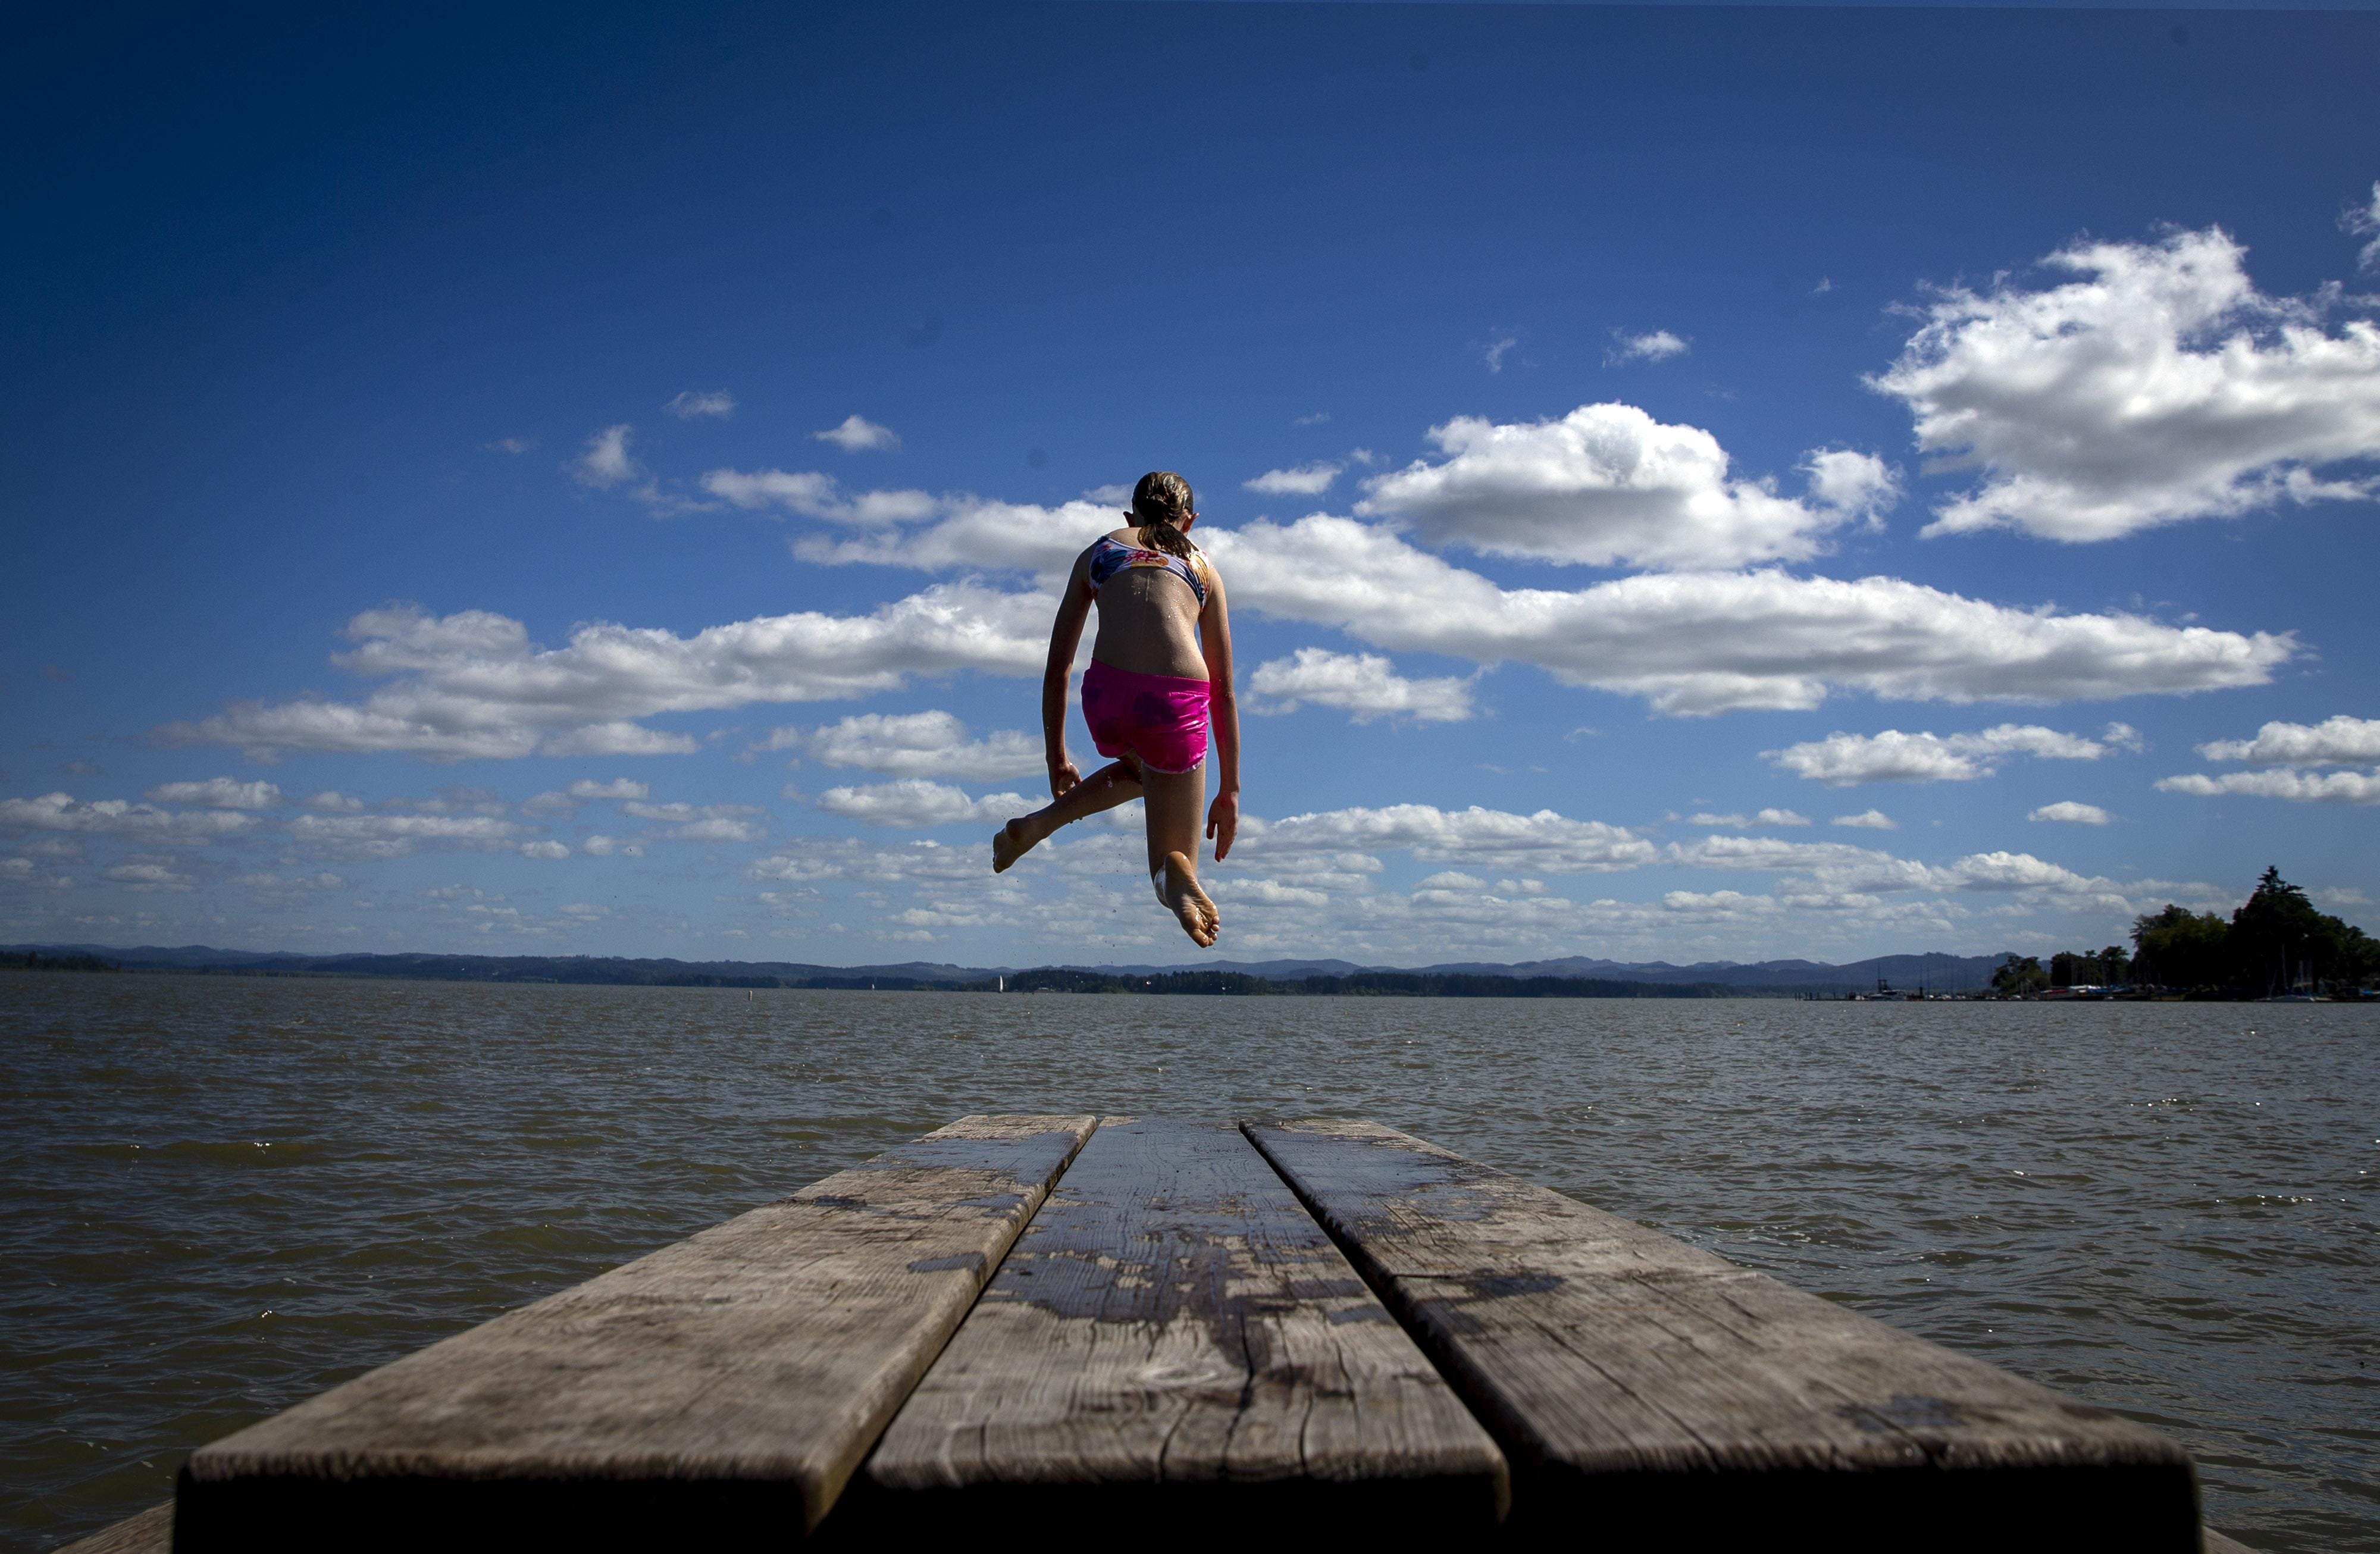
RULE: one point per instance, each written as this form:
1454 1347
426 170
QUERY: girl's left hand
1223 822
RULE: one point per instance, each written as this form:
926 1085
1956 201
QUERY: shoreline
1191 983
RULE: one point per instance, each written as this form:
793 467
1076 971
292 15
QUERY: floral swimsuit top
1111 555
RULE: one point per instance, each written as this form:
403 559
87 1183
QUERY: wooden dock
1186 1330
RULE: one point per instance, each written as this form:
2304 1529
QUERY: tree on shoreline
2178 948
2279 942
2020 975
2070 968
2274 943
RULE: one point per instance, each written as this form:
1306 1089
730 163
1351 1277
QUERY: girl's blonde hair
1160 503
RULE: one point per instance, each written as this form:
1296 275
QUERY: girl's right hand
1063 776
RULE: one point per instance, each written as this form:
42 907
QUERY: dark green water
224 1195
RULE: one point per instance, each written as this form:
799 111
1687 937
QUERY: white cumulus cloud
1841 760
1606 485
1841 865
1305 479
693 404
605 462
2072 812
2301 787
931 744
149 877
280 891
914 801
1654 345
1867 820
805 859
396 836
1855 484
2155 386
472 685
548 851
804 490
2334 741
1364 685
2340 740
2013 872
1240 891
857 435
1544 842
115 817
2366 220
1748 822
1838 870
701 822
814 496
616 738
1713 642
217 793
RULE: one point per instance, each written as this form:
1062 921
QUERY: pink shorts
1159 720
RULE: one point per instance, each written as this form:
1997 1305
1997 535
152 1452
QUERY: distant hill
1933 971
1936 972
604 969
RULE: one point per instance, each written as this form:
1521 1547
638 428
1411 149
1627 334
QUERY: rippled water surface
218 1195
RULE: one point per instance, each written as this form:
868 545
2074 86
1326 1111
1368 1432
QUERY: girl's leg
1177 802
1103 789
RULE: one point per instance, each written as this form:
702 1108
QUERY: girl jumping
1160 666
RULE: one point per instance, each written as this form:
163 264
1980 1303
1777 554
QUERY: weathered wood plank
149 1532
1174 1330
729 1383
1645 1388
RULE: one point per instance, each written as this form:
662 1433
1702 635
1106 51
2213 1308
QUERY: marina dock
1155 1332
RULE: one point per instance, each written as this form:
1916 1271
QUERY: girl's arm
1065 635
1215 642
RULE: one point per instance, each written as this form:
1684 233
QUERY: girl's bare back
1148 622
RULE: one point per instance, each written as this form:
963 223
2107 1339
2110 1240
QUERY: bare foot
1009 843
1193 906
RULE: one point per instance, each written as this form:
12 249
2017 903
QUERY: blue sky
1637 440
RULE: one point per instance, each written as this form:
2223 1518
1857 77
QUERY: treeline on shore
2275 943
33 959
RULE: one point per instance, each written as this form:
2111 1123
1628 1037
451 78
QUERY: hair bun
1160 503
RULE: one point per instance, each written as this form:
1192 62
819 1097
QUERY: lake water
223 1195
